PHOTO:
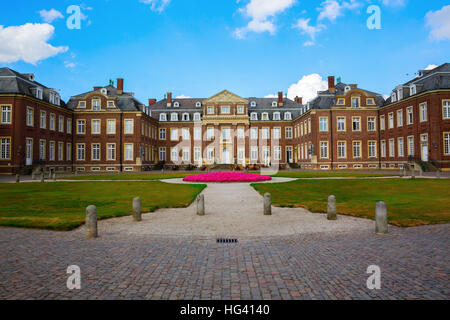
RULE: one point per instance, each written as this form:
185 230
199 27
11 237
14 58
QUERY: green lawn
62 205
131 176
410 202
329 174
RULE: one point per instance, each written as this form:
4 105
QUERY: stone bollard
438 174
42 177
54 176
267 204
413 174
201 205
381 224
137 209
332 211
17 178
33 175
91 222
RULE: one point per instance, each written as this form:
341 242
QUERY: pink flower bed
227 177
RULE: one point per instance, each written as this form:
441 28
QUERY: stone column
33 175
201 205
332 210
42 176
413 174
267 204
17 178
438 174
54 176
91 222
137 209
381 224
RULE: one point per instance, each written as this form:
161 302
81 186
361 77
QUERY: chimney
331 86
169 99
299 100
119 86
97 88
354 86
151 102
280 99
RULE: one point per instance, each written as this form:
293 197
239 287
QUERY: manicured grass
329 174
410 202
62 205
132 176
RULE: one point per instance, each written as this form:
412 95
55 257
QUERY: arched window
185 116
287 116
254 116
274 104
265 116
174 117
197 117
163 117
276 116
198 104
176 104
253 104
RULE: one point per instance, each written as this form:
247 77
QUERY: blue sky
197 48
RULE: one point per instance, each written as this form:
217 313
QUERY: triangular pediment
226 97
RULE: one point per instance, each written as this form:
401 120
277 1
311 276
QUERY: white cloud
182 97
332 9
27 42
156 5
431 67
394 3
439 22
51 15
261 13
271 96
305 28
69 64
307 87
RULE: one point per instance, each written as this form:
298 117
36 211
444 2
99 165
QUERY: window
382 123
197 133
266 154
129 152
43 120
163 117
225 110
174 154
265 116
162 134
341 124
186 155
265 133
423 112
198 104
42 152
342 150
210 133
276 116
39 93
69 152
391 120
401 147
69 126
277 153
96 105
253 104
174 117
81 127
111 126
30 117
383 149
391 148
5 148
356 149
226 134
6 115
95 127
410 146
61 124
80 152
341 102
241 154
277 133
399 118
197 154
274 104
355 103
185 116
254 116
309 125
371 124
447 143
52 122
82 104
446 110
323 124
240 133
410 118
210 110
162 154
393 97
372 149
240 109
197 117
60 151
356 124
174 134
111 104
254 133
324 150
370 101
185 134
413 90
95 152
254 154
287 116
288 133
176 104
210 154
129 126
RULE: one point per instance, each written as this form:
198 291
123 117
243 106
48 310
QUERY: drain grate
224 240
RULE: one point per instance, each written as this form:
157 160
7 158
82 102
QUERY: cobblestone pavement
414 264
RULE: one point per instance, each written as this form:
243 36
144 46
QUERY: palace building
109 130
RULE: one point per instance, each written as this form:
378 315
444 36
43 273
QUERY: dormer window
347 89
265 116
198 104
253 104
399 94
288 116
341 102
57 100
393 97
39 93
176 104
163 117
104 91
254 116
174 117
96 105
370 101
185 116
413 90
111 104
274 104
82 104
197 117
355 103
276 116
